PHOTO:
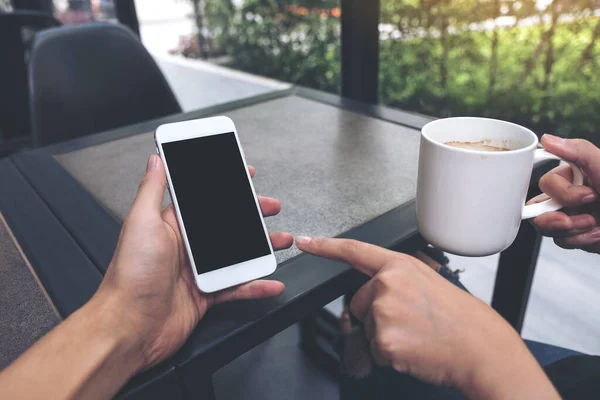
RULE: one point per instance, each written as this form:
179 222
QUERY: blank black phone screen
221 220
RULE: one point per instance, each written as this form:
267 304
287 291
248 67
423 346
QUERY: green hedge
566 102
270 41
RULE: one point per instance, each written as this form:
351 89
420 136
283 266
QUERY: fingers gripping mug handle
534 210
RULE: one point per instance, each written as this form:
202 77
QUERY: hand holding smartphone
217 209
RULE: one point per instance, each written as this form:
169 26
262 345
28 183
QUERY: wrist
118 333
506 373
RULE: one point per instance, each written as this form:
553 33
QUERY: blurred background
527 61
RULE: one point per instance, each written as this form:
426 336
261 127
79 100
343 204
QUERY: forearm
90 355
514 375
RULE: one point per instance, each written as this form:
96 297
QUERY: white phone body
231 275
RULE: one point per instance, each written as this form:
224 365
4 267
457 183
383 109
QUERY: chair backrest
16 30
92 78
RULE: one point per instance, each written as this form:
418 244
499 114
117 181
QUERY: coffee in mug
472 183
481 145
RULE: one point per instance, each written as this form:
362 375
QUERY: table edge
38 232
151 125
396 116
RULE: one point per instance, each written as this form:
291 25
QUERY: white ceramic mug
471 202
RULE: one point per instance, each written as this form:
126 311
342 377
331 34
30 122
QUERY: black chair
92 78
16 30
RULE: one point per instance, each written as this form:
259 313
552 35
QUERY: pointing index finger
367 258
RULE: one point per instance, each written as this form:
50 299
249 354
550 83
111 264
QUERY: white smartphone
217 209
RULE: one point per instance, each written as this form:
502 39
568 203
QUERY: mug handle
535 210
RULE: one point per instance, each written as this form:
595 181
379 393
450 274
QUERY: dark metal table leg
517 263
515 276
319 334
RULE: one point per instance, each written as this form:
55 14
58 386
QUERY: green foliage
437 57
568 104
218 16
266 39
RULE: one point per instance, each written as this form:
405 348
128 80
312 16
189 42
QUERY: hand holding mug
578 224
